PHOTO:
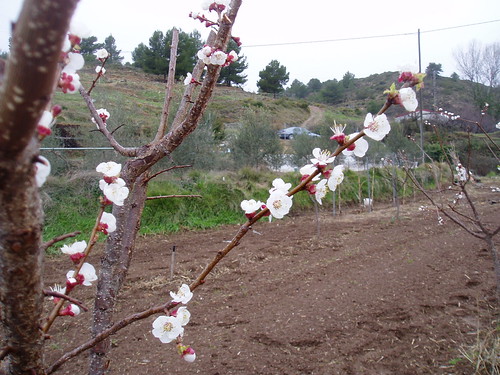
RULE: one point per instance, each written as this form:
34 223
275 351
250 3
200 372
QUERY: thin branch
169 87
66 297
443 211
166 170
110 331
99 75
173 196
118 127
92 241
48 244
125 151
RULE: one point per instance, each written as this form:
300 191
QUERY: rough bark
115 263
120 245
26 89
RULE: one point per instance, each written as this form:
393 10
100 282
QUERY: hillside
135 99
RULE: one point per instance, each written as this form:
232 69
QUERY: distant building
433 116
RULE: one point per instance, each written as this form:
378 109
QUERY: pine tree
88 46
273 78
156 58
114 52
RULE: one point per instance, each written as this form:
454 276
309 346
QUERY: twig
99 75
169 87
51 242
113 132
64 296
93 239
167 170
173 196
110 331
125 151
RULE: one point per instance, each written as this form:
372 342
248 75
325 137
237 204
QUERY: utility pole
420 122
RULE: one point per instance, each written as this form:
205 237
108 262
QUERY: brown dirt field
371 295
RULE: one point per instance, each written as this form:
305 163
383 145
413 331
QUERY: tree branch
48 244
125 151
110 331
166 170
173 196
66 297
169 87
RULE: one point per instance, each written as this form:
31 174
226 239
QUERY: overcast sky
319 24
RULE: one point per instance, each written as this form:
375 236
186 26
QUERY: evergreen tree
273 78
156 58
314 85
297 90
432 69
332 92
88 47
233 72
348 79
114 52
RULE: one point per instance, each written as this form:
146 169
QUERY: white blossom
109 169
280 185
336 177
250 206
183 295
109 221
408 99
183 315
100 69
322 158
376 128
188 79
42 171
279 204
321 190
101 54
76 247
360 146
167 328
116 192
218 58
88 273
308 170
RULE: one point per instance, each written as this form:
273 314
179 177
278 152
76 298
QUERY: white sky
278 21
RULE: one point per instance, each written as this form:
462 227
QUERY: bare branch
118 127
110 331
167 170
64 296
173 196
29 77
125 151
48 244
99 75
169 87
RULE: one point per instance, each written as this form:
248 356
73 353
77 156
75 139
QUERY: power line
367 37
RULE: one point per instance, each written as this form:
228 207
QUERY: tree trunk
115 262
25 91
20 265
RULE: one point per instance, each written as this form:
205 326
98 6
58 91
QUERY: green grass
71 204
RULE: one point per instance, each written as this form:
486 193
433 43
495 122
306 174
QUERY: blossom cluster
171 327
103 114
214 56
112 186
375 127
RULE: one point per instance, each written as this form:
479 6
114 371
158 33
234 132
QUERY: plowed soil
372 294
